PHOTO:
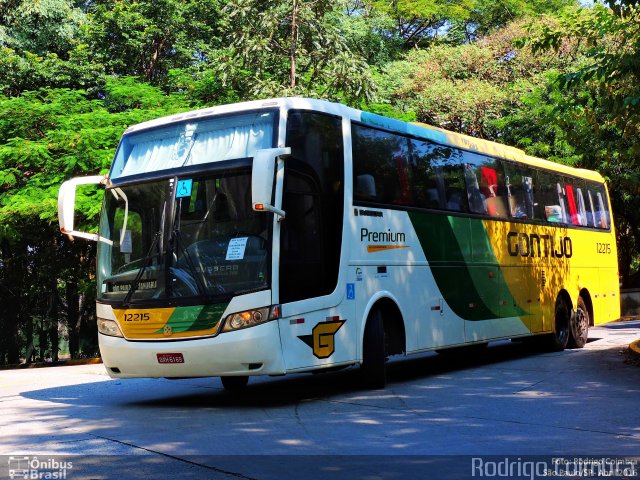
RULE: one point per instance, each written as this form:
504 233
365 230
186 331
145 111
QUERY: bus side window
477 201
485 185
527 188
519 189
550 198
564 218
582 210
591 215
452 176
384 157
598 215
427 174
573 207
438 176
603 211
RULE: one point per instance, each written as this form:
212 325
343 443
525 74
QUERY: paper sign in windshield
235 250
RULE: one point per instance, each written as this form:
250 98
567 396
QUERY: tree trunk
294 43
52 315
73 317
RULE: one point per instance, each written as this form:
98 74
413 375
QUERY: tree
602 104
610 72
41 27
147 38
421 23
467 87
47 136
291 47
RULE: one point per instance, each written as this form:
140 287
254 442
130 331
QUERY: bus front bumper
251 351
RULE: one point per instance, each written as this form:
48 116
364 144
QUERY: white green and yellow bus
292 235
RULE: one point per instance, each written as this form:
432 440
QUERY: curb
61 363
634 347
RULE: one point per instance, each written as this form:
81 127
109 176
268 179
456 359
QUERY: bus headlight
249 318
109 327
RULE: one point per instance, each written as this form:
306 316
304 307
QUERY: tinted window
311 233
438 176
551 198
391 169
485 185
598 214
381 169
520 190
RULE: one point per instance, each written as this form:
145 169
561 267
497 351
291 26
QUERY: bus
294 235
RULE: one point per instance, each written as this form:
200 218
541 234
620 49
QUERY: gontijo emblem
322 339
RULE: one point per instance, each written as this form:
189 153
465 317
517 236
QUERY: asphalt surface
438 412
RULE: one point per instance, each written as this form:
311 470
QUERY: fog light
109 327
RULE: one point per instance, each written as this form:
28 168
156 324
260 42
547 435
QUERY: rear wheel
579 326
234 384
559 339
373 369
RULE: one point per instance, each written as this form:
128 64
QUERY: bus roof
416 129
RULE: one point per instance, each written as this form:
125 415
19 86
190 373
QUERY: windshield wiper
136 281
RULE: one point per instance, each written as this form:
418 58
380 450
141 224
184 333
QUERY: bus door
317 326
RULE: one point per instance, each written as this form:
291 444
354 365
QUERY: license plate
170 358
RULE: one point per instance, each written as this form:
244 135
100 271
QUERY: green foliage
41 27
148 38
20 72
50 135
601 100
467 88
291 48
422 23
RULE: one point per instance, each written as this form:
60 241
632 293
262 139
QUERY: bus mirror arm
262 175
66 206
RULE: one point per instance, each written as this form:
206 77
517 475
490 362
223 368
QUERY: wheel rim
581 322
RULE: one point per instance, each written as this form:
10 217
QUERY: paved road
506 402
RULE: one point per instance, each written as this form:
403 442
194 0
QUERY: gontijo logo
533 245
322 339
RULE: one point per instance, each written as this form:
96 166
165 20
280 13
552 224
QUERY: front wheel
374 358
579 326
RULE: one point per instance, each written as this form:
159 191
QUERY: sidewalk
59 363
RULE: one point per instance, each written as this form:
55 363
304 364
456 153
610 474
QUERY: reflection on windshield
204 242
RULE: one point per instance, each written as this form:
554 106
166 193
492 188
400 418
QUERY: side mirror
67 205
264 164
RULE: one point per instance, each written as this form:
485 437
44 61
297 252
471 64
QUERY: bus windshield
183 238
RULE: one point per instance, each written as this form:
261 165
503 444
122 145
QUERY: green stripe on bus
448 244
196 318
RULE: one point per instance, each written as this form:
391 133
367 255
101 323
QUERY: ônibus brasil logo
34 468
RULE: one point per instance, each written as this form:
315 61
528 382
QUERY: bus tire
558 340
579 326
373 369
234 384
